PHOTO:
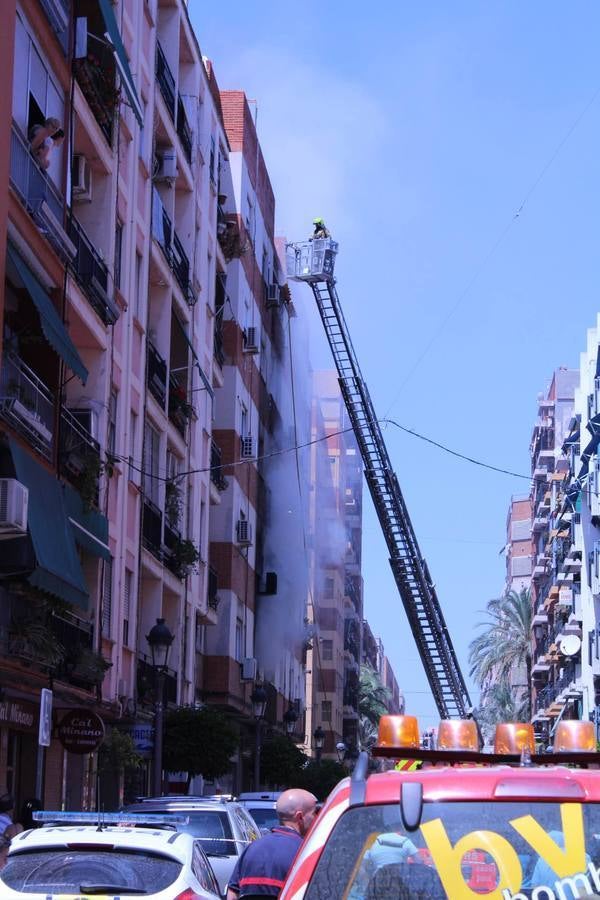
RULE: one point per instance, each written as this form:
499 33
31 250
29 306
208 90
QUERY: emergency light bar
100 818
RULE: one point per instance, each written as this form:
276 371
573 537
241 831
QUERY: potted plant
173 502
185 558
89 666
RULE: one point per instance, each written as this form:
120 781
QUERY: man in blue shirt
262 868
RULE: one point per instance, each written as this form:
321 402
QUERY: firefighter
320 230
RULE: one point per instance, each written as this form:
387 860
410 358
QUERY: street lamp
290 717
258 698
340 749
319 739
160 640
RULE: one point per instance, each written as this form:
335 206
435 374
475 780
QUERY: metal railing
216 471
181 266
30 181
212 595
79 454
152 528
165 80
183 129
26 403
156 375
172 248
92 274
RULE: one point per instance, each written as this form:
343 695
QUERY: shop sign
81 731
18 714
142 735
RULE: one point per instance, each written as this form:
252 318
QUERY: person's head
296 809
7 803
53 125
318 222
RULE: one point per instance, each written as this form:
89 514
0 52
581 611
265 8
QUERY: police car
507 825
117 856
262 808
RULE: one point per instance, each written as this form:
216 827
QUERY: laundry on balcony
54 331
57 568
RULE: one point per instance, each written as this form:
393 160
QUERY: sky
452 149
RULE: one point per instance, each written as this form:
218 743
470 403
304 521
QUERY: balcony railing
180 410
172 540
152 528
171 246
183 129
165 79
79 455
216 470
26 403
218 343
181 267
156 375
98 88
29 181
92 274
213 587
147 683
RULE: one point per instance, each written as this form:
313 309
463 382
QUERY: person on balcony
43 139
320 230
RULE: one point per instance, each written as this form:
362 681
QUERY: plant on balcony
88 666
185 558
86 481
30 637
173 502
101 93
178 401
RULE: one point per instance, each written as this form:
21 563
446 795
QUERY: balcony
92 274
183 129
156 375
27 404
218 343
165 80
172 248
212 595
180 410
79 456
30 182
216 470
152 528
97 85
146 683
180 265
172 540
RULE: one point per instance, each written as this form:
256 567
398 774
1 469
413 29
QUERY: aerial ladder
313 262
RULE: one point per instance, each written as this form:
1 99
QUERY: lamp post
319 739
290 717
258 698
340 749
159 639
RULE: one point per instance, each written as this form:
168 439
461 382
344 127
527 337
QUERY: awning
58 570
90 527
54 330
121 60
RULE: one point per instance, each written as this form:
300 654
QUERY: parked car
223 827
71 859
261 807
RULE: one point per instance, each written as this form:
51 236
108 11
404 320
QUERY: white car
111 861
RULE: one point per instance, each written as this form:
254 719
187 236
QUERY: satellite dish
570 644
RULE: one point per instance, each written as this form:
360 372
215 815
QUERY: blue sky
416 130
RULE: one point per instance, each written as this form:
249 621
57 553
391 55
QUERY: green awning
54 330
121 60
90 527
58 570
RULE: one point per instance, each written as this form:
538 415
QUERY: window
326 711
107 597
118 252
328 589
127 587
151 460
327 648
111 437
239 639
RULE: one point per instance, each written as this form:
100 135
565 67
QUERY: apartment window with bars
107 597
127 585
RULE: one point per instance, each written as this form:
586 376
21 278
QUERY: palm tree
373 696
500 704
504 644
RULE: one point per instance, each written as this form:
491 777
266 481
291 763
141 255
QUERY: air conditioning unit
247 446
52 228
81 179
251 343
273 295
14 497
166 166
57 14
249 669
244 533
88 419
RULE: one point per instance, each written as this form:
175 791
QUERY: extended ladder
313 262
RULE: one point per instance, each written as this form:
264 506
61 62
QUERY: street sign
81 731
45 726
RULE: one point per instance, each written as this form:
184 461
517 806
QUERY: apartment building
555 586
106 397
337 588
259 637
519 546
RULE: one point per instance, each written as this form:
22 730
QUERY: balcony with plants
79 457
180 409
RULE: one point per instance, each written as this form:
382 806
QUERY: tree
320 778
501 705
504 645
199 741
281 762
373 699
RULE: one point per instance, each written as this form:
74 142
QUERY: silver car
223 827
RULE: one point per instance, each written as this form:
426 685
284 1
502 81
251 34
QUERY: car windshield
263 816
59 870
461 850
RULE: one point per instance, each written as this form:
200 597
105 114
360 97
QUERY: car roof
193 803
159 840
